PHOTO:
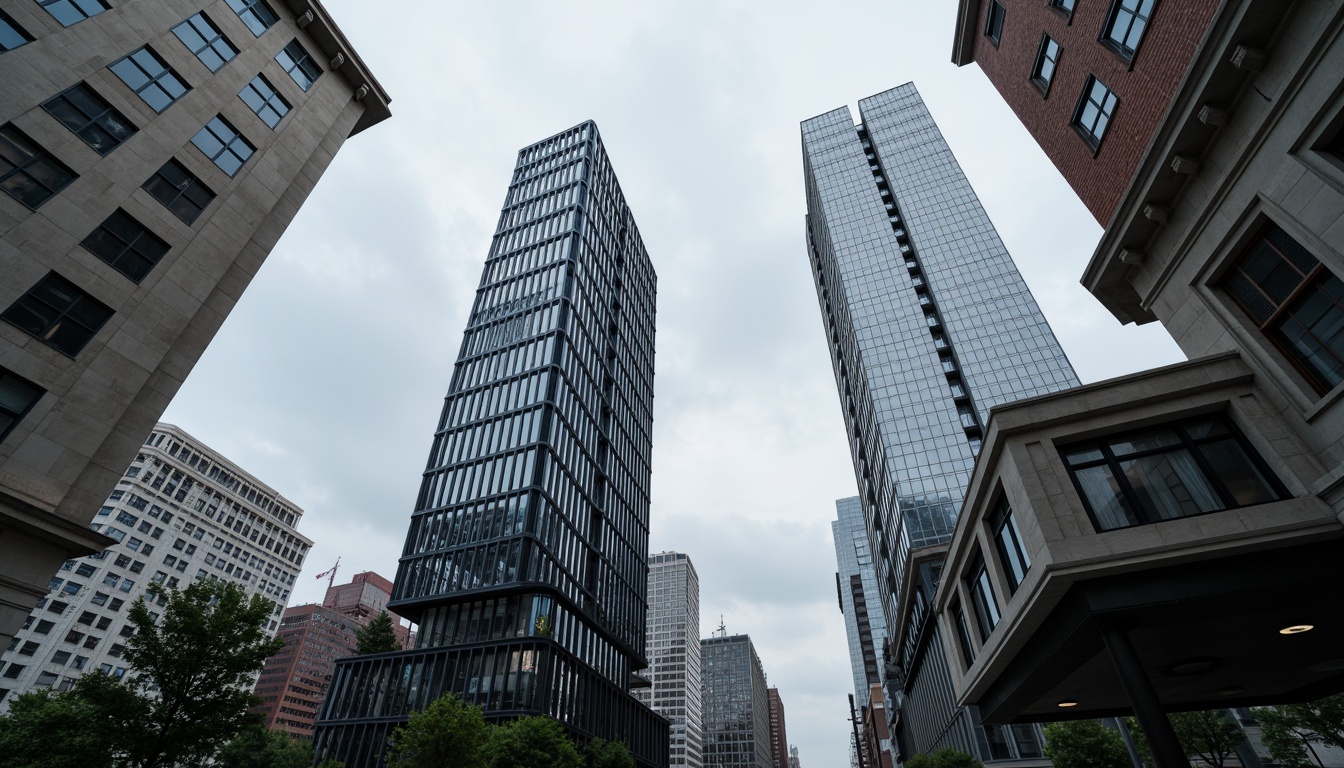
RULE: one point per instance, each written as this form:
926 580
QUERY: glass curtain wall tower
526 560
930 326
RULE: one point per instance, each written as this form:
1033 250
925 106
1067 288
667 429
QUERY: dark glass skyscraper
930 326
526 560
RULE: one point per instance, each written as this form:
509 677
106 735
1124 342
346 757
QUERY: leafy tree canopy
944 758
260 747
1085 744
1211 736
1288 730
377 636
532 742
449 734
609 754
47 729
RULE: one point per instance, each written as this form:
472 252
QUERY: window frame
36 155
1271 327
1113 16
1003 521
248 7
984 603
994 34
128 250
9 412
182 190
107 112
1058 6
84 298
267 102
1042 56
1189 445
210 42
8 21
962 628
299 62
1087 134
225 146
151 80
83 14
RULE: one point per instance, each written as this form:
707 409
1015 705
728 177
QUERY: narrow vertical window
994 22
1046 59
27 172
17 397
986 608
963 634
90 118
1296 301
1093 113
1126 24
151 78
1008 540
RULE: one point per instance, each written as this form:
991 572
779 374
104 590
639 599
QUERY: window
1295 301
180 191
963 634
91 118
300 66
256 14
1166 472
986 608
11 34
1093 114
43 627
17 397
1046 59
13 670
84 569
71 12
60 657
222 143
58 313
99 598
132 250
205 40
1125 25
29 648
150 77
1064 5
1008 540
994 22
27 172
263 99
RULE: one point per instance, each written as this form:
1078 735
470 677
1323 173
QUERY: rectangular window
84 569
204 39
1294 300
17 397
71 12
130 248
1094 111
60 657
180 191
27 172
1166 472
150 77
256 14
300 66
1064 5
985 607
43 627
58 313
1046 59
91 118
224 145
265 101
1125 25
963 634
28 649
1008 541
11 34
994 22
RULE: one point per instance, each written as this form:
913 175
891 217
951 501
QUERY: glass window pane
1146 441
1238 473
1105 498
1170 485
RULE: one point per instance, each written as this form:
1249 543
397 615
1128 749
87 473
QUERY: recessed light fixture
1296 629
1068 703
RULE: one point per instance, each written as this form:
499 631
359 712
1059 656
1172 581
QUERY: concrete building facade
180 512
736 705
674 671
534 506
930 325
151 155
1090 79
779 736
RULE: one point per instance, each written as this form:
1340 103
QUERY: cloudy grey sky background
327 379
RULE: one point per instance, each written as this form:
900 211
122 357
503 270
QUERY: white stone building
673 640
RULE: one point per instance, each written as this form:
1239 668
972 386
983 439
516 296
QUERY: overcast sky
327 379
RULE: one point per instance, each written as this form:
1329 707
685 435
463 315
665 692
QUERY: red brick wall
1170 42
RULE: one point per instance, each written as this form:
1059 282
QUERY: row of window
1122 31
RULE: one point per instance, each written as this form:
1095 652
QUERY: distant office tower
930 327
294 682
674 655
526 562
180 512
736 705
856 587
150 158
779 738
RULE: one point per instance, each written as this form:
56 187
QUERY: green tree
609 754
532 742
1085 744
377 636
946 757
449 734
47 729
1289 729
193 669
261 747
1211 735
